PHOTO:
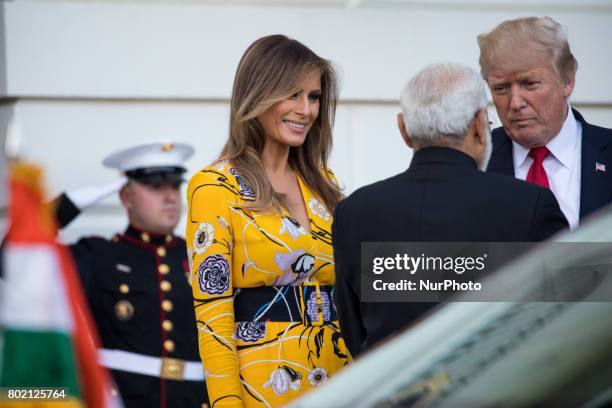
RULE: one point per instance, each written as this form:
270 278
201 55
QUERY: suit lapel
596 177
501 157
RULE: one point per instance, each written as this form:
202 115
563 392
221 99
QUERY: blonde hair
269 71
515 44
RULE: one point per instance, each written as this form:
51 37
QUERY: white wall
161 50
86 78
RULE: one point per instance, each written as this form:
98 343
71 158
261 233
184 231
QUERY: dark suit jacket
595 185
442 197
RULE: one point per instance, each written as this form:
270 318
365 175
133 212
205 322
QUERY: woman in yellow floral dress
258 234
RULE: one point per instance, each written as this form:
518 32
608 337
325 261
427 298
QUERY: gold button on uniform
163 269
167 305
165 286
124 288
145 237
161 251
167 325
169 345
168 238
124 310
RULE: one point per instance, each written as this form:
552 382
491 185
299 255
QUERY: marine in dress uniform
136 283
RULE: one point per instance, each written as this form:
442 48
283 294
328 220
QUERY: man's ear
479 124
125 195
568 86
403 131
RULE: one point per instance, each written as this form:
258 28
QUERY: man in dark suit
137 283
531 72
442 197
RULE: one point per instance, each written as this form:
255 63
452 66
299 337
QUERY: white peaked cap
148 155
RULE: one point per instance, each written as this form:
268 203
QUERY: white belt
162 367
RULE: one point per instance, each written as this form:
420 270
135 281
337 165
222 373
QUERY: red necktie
537 174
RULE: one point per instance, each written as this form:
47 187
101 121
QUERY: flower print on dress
282 379
190 258
245 190
297 266
284 260
319 209
251 331
317 376
292 227
286 279
214 275
313 309
203 238
303 265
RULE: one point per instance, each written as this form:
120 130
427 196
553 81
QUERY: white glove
86 197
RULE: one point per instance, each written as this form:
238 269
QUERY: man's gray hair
440 101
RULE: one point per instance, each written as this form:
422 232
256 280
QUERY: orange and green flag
47 339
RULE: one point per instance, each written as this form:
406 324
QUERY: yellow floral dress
262 287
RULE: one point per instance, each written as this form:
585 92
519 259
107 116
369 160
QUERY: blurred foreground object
46 336
500 354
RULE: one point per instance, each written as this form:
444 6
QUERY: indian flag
46 336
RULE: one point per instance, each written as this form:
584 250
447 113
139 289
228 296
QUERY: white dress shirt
562 166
